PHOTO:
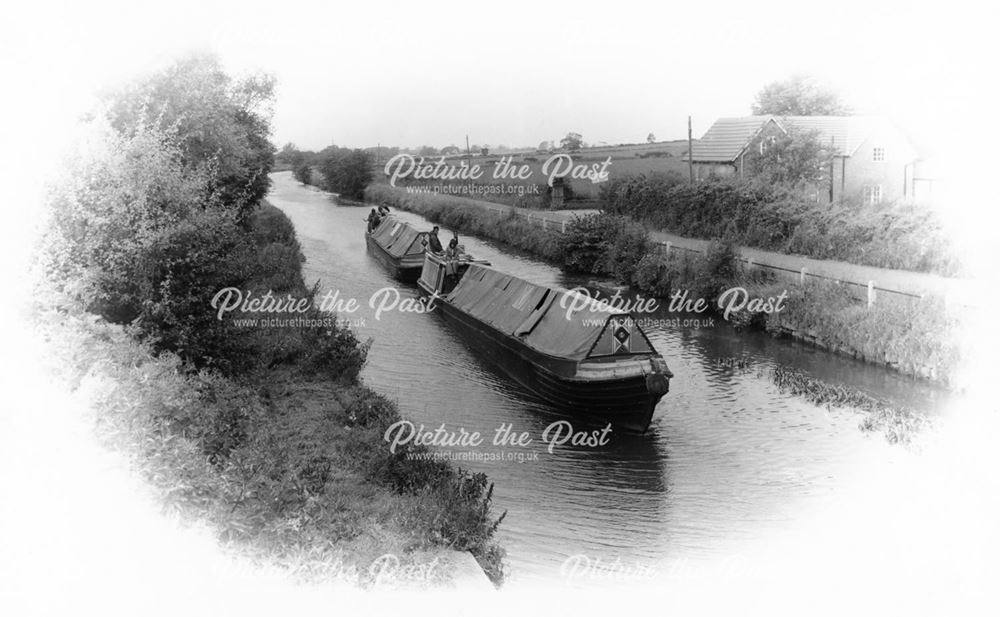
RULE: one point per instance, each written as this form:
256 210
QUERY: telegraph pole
690 152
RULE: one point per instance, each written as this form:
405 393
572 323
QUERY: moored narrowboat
582 358
399 247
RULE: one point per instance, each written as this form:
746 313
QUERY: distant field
625 160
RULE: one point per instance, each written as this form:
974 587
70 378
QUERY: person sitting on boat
453 250
383 210
433 243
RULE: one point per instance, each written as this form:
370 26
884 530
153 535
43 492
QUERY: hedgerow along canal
727 460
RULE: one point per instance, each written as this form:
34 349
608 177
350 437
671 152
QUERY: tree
303 172
428 151
650 139
221 124
572 141
798 95
347 172
792 158
545 146
450 150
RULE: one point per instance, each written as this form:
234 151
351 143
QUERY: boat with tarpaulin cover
399 247
579 356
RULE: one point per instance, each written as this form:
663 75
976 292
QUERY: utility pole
690 152
468 151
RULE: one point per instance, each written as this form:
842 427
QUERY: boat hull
405 270
628 403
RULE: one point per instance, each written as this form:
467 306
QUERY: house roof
845 133
728 137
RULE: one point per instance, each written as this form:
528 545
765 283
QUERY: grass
914 336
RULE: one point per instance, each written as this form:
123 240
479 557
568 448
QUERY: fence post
668 246
749 263
871 293
564 226
802 276
544 221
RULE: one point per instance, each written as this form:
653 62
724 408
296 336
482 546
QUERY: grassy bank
158 249
913 336
288 465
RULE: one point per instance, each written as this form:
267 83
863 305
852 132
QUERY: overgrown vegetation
898 424
253 428
778 218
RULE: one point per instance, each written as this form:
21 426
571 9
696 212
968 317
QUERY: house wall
707 170
862 170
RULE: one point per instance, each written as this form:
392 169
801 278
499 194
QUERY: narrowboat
582 358
399 247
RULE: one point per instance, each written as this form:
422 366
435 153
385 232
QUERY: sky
512 73
516 73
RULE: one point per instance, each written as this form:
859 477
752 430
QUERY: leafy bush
604 244
178 274
774 217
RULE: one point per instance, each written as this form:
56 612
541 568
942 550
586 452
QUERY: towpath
883 280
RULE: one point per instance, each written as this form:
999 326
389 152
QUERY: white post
749 263
564 226
871 293
668 246
543 223
802 276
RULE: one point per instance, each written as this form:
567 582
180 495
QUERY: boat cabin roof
398 238
555 322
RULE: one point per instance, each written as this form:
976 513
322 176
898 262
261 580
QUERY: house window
767 142
873 194
878 154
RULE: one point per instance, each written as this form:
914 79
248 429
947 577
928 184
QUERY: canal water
727 461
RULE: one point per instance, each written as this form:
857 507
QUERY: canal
727 461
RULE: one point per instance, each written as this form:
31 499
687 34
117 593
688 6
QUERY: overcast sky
513 73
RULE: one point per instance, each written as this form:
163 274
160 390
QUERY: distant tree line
344 171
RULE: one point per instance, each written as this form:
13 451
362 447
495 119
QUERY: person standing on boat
373 220
433 243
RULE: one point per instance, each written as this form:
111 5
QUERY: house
872 159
